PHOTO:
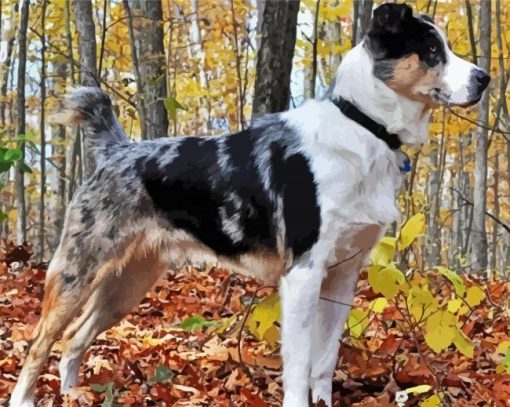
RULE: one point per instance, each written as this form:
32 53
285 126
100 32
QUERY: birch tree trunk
21 218
478 244
148 37
5 67
199 53
274 59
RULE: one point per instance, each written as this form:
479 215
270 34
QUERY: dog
299 198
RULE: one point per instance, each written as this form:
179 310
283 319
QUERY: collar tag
404 163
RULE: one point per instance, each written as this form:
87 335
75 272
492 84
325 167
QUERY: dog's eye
433 48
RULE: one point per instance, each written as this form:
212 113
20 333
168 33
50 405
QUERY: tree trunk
74 154
494 251
148 36
362 16
21 219
88 71
471 31
42 125
240 93
199 53
5 68
434 191
274 59
60 158
313 77
140 102
86 41
478 246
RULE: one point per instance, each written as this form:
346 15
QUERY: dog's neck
355 82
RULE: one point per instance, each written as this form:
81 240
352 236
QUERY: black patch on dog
395 33
193 192
244 181
295 183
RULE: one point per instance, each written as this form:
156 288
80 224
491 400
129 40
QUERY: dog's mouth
443 98
439 96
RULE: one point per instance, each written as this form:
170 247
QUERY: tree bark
478 244
74 154
88 71
148 36
5 68
60 157
86 41
140 103
313 77
274 59
199 53
362 16
21 219
471 31
42 125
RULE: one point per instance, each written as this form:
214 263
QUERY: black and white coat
297 199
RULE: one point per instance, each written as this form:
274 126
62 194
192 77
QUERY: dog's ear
391 17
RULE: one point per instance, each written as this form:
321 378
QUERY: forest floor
152 359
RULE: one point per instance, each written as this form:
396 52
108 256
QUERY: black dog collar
353 113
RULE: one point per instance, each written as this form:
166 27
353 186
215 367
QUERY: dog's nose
481 79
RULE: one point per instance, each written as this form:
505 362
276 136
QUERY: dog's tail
92 108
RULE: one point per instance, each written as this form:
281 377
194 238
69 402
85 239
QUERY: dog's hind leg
61 303
117 295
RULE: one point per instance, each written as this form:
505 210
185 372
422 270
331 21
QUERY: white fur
457 79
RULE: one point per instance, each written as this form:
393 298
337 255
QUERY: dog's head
411 55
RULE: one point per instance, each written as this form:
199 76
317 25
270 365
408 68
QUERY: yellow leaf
422 388
357 322
262 319
414 227
385 280
378 305
436 127
454 305
503 347
474 296
384 251
464 344
421 303
441 328
432 401
454 278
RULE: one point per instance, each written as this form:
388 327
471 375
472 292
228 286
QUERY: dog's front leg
337 293
300 292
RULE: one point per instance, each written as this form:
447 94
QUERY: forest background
431 310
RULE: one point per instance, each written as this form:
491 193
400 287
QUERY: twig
345 260
505 134
490 215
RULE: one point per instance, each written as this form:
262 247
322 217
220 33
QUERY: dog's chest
357 203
